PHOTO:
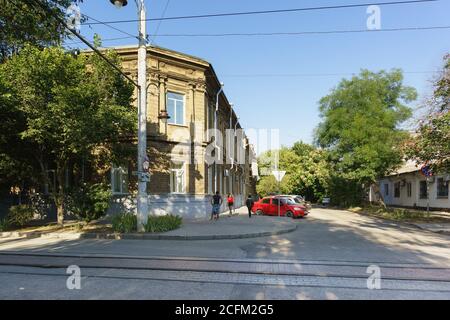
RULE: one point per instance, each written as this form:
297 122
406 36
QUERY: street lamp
143 176
119 3
163 116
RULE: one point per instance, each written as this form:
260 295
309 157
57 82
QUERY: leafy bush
89 202
124 223
40 204
20 215
162 223
4 224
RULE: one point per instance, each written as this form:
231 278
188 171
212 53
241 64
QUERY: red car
288 207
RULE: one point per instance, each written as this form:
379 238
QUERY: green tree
360 125
306 172
23 22
71 107
431 143
313 172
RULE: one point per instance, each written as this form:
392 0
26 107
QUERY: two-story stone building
182 181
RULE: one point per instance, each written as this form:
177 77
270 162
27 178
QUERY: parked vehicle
287 206
300 200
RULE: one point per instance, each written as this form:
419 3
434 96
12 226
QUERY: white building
408 187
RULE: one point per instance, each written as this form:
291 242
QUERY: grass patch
162 223
400 214
124 223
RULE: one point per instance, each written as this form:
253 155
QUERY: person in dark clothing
249 203
216 202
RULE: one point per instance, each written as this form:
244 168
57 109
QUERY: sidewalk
238 226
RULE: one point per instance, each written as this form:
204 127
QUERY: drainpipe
235 127
215 132
231 146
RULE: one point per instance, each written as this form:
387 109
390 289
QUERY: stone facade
181 180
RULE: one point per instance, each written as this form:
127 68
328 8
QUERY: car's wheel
289 214
259 212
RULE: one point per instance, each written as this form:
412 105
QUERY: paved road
325 258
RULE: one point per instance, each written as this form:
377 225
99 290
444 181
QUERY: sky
275 82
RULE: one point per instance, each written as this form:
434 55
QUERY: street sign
426 171
278 174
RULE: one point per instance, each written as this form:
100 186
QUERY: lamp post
143 177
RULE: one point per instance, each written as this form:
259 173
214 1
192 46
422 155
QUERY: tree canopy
431 143
64 107
23 22
361 121
306 172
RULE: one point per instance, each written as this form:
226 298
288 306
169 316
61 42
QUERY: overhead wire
228 14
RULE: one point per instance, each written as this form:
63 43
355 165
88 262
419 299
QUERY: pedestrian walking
249 203
216 202
230 202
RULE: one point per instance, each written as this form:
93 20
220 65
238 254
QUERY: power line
271 75
300 33
266 11
46 11
103 40
112 27
160 21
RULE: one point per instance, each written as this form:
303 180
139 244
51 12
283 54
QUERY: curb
142 236
402 224
147 236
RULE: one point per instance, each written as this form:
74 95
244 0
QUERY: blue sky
252 68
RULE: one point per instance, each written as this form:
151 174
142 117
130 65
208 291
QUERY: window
177 179
386 189
409 189
175 108
397 190
210 179
275 201
423 194
119 179
442 188
266 200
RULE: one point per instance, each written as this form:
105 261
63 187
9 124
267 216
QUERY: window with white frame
409 189
177 178
175 108
119 179
442 188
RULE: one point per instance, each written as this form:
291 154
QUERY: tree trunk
376 188
60 213
59 195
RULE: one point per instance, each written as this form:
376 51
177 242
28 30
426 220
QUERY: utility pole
142 198
143 161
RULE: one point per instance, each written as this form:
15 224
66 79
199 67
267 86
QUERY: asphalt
328 256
